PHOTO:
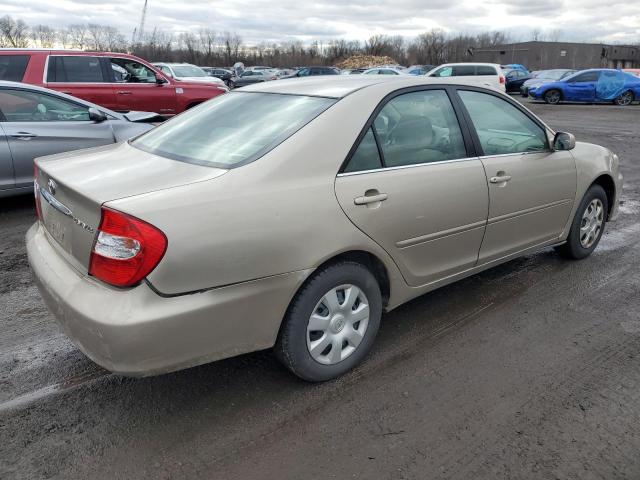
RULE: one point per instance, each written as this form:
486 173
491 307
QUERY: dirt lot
529 370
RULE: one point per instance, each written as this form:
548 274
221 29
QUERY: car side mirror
96 115
160 79
564 141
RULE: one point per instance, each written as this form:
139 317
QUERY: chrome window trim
402 167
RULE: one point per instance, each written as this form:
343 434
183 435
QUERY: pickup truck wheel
587 226
331 323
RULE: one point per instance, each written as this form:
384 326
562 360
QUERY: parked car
285 72
592 86
352 71
515 66
314 71
489 74
221 73
544 76
419 69
514 79
115 81
37 121
198 234
185 72
252 76
385 71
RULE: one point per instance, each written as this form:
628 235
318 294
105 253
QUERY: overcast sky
281 20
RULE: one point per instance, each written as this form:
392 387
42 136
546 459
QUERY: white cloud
277 20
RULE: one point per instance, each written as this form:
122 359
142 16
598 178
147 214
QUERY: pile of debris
365 61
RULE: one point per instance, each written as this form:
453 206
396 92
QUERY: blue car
591 86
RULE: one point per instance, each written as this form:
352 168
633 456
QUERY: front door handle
370 197
500 179
23 135
124 92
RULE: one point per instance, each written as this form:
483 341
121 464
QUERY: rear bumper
138 332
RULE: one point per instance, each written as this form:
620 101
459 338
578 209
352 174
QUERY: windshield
188 71
552 75
233 129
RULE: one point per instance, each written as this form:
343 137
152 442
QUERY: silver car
37 121
292 214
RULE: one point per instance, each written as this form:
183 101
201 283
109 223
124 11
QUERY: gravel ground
528 370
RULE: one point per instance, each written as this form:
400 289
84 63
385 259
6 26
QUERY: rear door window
412 128
486 70
464 70
75 69
12 67
586 77
24 106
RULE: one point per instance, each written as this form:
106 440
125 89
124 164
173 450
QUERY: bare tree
231 44
13 33
43 36
77 36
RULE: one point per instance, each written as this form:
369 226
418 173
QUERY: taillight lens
126 249
502 80
36 192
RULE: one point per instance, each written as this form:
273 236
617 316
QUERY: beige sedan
292 214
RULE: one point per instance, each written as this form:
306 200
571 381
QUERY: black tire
552 97
291 345
624 99
574 249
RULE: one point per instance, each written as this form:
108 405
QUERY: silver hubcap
591 225
338 324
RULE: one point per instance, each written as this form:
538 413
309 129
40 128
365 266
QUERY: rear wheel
331 323
587 226
624 99
552 97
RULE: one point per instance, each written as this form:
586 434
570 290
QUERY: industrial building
538 55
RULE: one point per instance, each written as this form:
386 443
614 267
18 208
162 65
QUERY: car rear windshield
12 67
233 129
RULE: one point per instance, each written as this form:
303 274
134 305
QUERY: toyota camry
292 214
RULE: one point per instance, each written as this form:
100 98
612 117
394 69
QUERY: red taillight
126 249
502 80
36 192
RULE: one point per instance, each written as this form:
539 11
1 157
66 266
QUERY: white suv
489 74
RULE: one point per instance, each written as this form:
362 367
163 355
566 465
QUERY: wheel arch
609 187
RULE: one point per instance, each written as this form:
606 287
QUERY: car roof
471 63
339 86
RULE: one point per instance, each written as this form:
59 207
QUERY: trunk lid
73 186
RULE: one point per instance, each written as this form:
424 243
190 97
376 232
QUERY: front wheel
552 97
587 226
331 323
624 99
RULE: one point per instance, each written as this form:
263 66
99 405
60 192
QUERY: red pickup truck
116 81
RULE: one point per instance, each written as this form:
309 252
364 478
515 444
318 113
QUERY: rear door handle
124 92
500 179
364 200
23 135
